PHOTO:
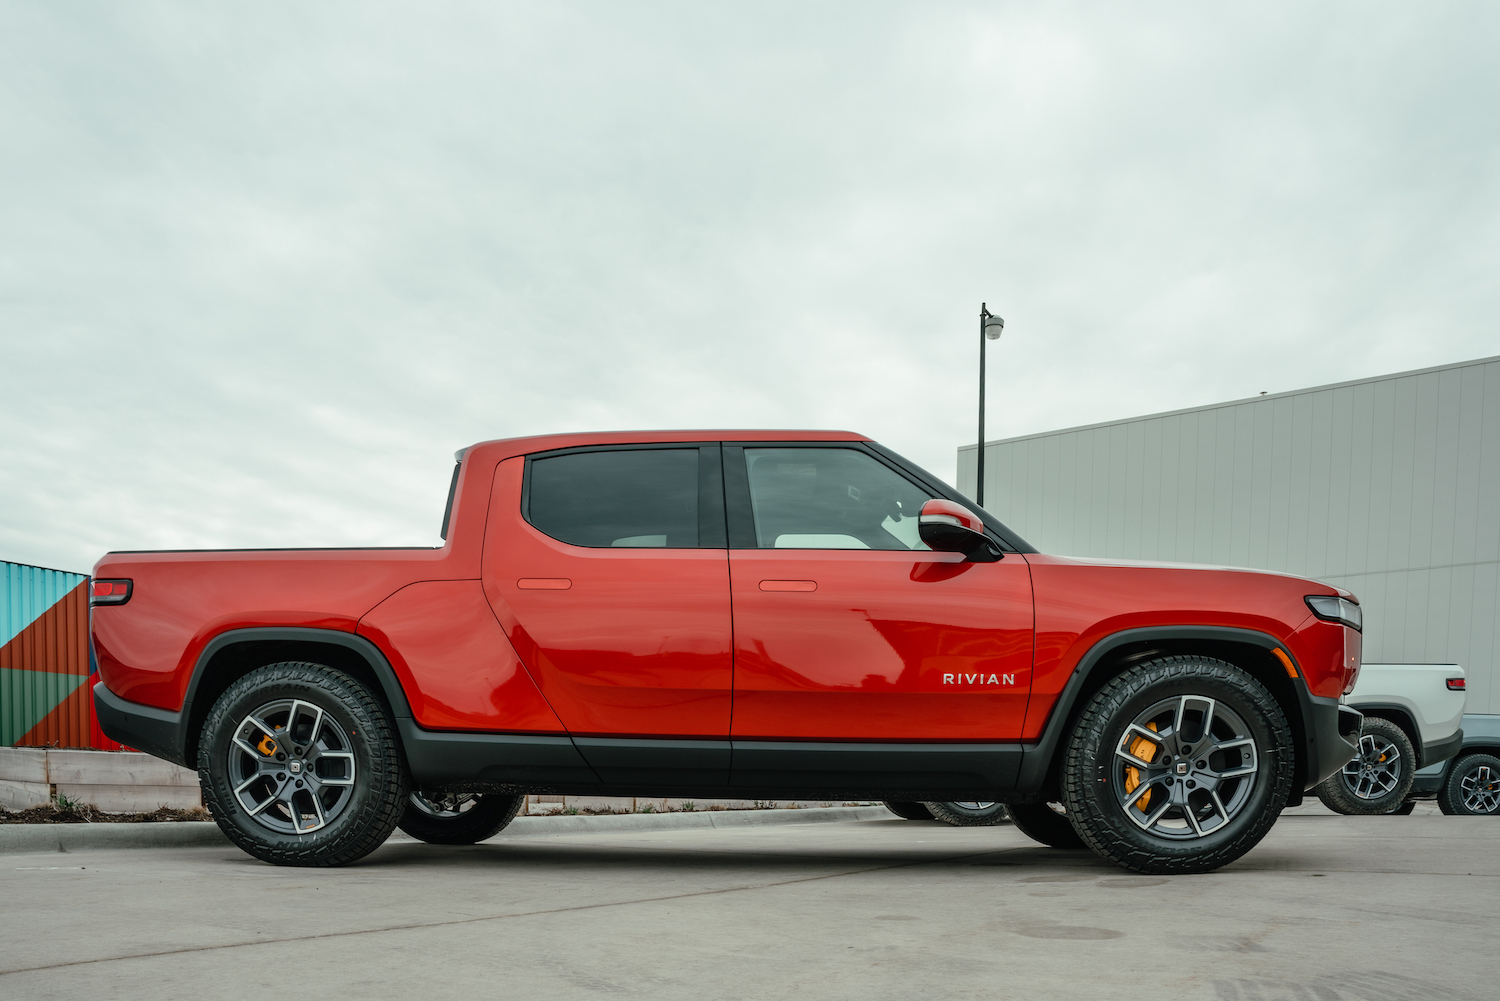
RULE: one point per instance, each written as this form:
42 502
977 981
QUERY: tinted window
831 498
646 498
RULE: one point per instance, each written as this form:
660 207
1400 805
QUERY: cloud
263 270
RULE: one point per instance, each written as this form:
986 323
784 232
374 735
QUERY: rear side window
831 498
628 499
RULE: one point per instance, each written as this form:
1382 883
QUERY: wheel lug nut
1203 764
1190 784
299 783
280 756
281 776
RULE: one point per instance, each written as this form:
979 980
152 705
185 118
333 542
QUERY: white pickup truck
1413 720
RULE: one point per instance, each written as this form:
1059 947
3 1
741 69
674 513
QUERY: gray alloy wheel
969 814
1178 765
292 767
1472 787
1378 778
300 764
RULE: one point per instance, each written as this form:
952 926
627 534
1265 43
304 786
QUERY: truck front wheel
300 765
1472 787
1179 765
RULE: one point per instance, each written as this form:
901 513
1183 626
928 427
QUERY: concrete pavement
1379 908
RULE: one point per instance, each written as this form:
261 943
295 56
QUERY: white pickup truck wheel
1379 776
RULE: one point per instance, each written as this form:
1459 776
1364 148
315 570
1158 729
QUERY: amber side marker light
1286 661
1457 685
109 592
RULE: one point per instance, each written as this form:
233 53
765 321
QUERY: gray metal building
1389 487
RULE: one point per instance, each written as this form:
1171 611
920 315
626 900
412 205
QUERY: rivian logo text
979 679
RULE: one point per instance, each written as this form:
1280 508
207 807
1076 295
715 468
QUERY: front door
607 569
847 628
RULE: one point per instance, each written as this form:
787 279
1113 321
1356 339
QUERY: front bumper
145 728
1332 737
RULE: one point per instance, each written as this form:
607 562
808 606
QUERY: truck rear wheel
1179 765
1379 776
458 818
300 765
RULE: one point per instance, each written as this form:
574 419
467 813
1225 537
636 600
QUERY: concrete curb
16 838
23 838
523 827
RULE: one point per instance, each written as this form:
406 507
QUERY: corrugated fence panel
1389 487
44 662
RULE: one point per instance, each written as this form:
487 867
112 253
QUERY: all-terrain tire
909 811
1095 796
428 820
962 814
350 719
1040 822
1348 794
1472 788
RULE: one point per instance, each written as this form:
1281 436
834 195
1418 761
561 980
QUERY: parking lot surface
1376 908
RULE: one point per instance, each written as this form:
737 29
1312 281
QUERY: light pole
990 327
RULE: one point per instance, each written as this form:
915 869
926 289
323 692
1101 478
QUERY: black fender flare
1037 761
360 646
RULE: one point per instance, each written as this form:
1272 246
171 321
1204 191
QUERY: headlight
1331 608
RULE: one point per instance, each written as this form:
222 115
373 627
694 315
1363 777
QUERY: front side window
628 498
831 498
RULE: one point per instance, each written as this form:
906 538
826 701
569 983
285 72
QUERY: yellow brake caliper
1146 751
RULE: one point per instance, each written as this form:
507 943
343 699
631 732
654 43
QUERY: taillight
109 592
1457 685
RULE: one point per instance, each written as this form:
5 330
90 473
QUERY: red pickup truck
706 614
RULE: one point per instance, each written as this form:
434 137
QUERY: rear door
608 570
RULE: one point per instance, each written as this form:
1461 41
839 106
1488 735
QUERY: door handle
544 583
788 585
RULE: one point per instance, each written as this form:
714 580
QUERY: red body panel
427 630
1079 602
638 644
882 646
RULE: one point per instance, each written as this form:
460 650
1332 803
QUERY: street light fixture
990 327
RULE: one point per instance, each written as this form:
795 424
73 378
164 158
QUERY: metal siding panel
1487 538
1299 507
1118 463
1278 486
1221 544
1447 428
1098 496
1470 453
1483 623
1416 540
1134 492
1261 459
1347 482
1320 487
1392 540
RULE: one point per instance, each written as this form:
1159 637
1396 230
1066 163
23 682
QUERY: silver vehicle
1468 784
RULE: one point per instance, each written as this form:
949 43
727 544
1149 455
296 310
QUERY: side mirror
952 528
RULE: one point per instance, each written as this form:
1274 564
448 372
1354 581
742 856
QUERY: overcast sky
264 267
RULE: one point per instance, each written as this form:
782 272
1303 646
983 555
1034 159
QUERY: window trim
712 525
